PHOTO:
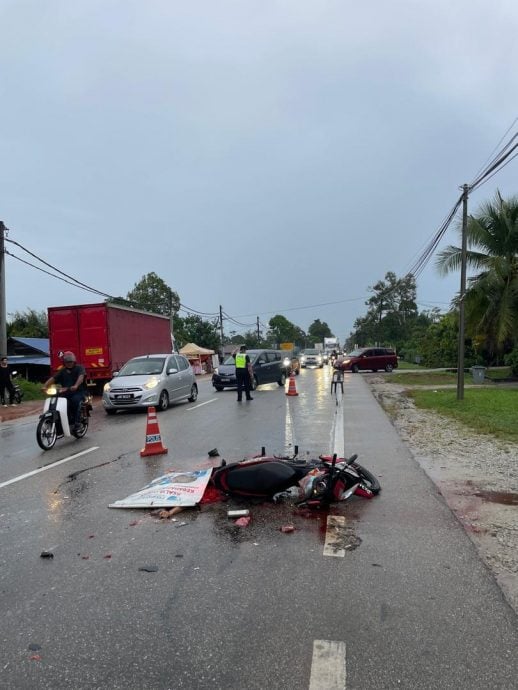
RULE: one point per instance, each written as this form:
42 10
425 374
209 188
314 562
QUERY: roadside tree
28 324
491 301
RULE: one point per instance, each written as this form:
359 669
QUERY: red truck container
104 336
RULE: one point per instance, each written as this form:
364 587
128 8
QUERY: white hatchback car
151 380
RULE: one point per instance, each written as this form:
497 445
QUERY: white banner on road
172 489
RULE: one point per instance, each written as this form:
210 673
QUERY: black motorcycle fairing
261 478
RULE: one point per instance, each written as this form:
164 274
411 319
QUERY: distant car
292 364
268 367
151 380
311 358
368 358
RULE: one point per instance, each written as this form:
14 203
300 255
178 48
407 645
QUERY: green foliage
31 391
487 411
318 331
492 293
193 329
392 313
28 324
152 294
283 331
512 361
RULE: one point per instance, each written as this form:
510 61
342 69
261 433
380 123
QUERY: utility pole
258 331
460 358
221 325
3 315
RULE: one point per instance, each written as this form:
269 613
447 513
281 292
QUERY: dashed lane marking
47 467
201 404
328 666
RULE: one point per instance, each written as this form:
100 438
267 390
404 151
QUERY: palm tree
491 299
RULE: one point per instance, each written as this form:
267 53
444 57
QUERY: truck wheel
163 401
194 393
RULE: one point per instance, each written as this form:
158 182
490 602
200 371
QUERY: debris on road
237 513
243 521
46 554
286 529
166 514
174 489
149 568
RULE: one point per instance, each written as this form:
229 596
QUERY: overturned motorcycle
314 483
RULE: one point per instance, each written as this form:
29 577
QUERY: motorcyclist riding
71 379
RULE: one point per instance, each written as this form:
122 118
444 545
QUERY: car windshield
311 352
230 360
356 353
138 367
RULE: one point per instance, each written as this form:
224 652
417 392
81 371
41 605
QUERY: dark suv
268 366
366 358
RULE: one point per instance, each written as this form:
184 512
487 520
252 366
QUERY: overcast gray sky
259 154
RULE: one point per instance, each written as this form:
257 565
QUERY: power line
38 268
46 263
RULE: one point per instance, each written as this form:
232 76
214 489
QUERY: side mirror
172 370
115 373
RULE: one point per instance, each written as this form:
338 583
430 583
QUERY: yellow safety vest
241 361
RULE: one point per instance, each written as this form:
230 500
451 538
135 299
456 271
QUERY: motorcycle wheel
367 478
46 433
83 428
17 397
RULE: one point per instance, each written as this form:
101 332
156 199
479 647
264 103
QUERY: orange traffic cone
153 439
292 388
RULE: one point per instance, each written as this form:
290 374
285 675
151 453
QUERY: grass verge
488 411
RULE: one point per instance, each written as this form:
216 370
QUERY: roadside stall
201 359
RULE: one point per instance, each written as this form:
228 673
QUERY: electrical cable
46 263
38 268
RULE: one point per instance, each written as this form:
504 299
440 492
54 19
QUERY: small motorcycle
314 483
55 423
18 393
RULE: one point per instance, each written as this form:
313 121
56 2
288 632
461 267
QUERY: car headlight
347 361
216 370
152 383
286 362
107 387
302 359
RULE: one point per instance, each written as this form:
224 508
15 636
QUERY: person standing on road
6 382
242 373
71 379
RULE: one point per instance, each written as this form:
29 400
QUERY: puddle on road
502 497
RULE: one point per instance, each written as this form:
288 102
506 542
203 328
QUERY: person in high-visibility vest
242 373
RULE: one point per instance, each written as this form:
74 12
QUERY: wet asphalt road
412 606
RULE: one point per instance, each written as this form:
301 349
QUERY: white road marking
334 528
201 404
289 435
337 432
47 467
328 666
